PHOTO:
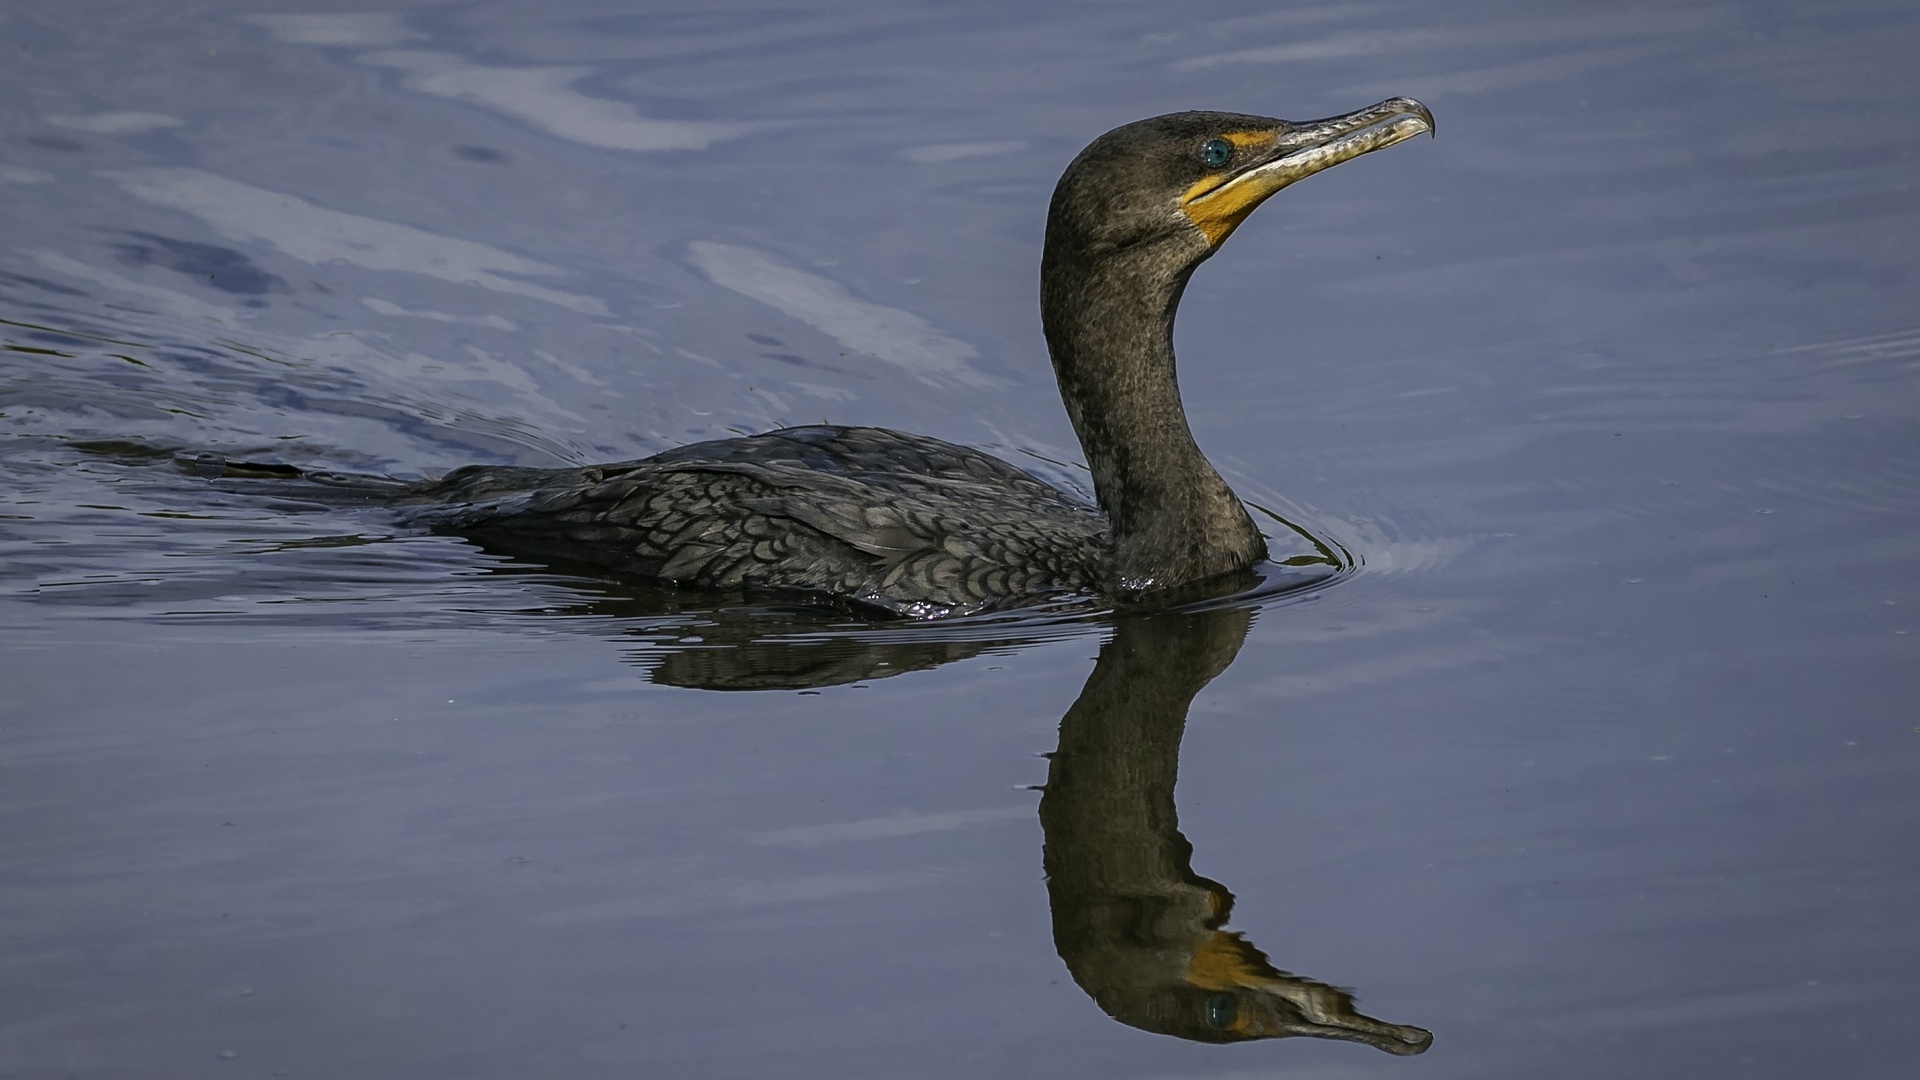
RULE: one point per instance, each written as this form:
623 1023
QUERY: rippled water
1600 760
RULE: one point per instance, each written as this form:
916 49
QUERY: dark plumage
902 522
1140 932
921 527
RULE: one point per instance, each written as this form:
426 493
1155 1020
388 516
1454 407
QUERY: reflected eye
1220 1010
1215 152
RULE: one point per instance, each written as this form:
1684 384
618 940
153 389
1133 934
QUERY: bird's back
906 523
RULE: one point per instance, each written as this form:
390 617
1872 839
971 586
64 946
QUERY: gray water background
1601 761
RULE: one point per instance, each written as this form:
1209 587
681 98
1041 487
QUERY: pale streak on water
1600 762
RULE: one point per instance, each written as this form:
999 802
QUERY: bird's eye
1220 1010
1215 152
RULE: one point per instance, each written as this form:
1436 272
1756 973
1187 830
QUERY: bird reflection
684 639
1138 929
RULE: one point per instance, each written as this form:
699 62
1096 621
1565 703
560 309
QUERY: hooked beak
1294 151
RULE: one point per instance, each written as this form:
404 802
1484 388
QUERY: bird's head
1179 184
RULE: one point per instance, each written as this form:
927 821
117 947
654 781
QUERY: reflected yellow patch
1222 961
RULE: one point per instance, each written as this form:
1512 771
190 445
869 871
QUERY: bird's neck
1110 331
1109 327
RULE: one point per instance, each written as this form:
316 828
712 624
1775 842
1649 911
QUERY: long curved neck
1109 326
1138 929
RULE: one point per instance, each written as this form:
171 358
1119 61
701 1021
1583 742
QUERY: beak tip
1415 107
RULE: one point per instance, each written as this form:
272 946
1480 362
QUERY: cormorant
1140 932
921 527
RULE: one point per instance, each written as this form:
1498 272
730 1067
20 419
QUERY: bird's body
905 523
921 527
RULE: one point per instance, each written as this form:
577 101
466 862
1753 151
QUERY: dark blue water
1600 761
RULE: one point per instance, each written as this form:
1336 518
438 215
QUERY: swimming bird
924 528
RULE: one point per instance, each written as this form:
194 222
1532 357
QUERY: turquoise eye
1215 152
1220 1010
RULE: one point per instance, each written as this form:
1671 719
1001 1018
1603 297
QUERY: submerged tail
293 482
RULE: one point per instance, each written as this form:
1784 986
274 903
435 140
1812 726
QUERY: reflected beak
1270 1004
1294 151
1287 1007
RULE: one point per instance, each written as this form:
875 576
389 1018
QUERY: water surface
1599 761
